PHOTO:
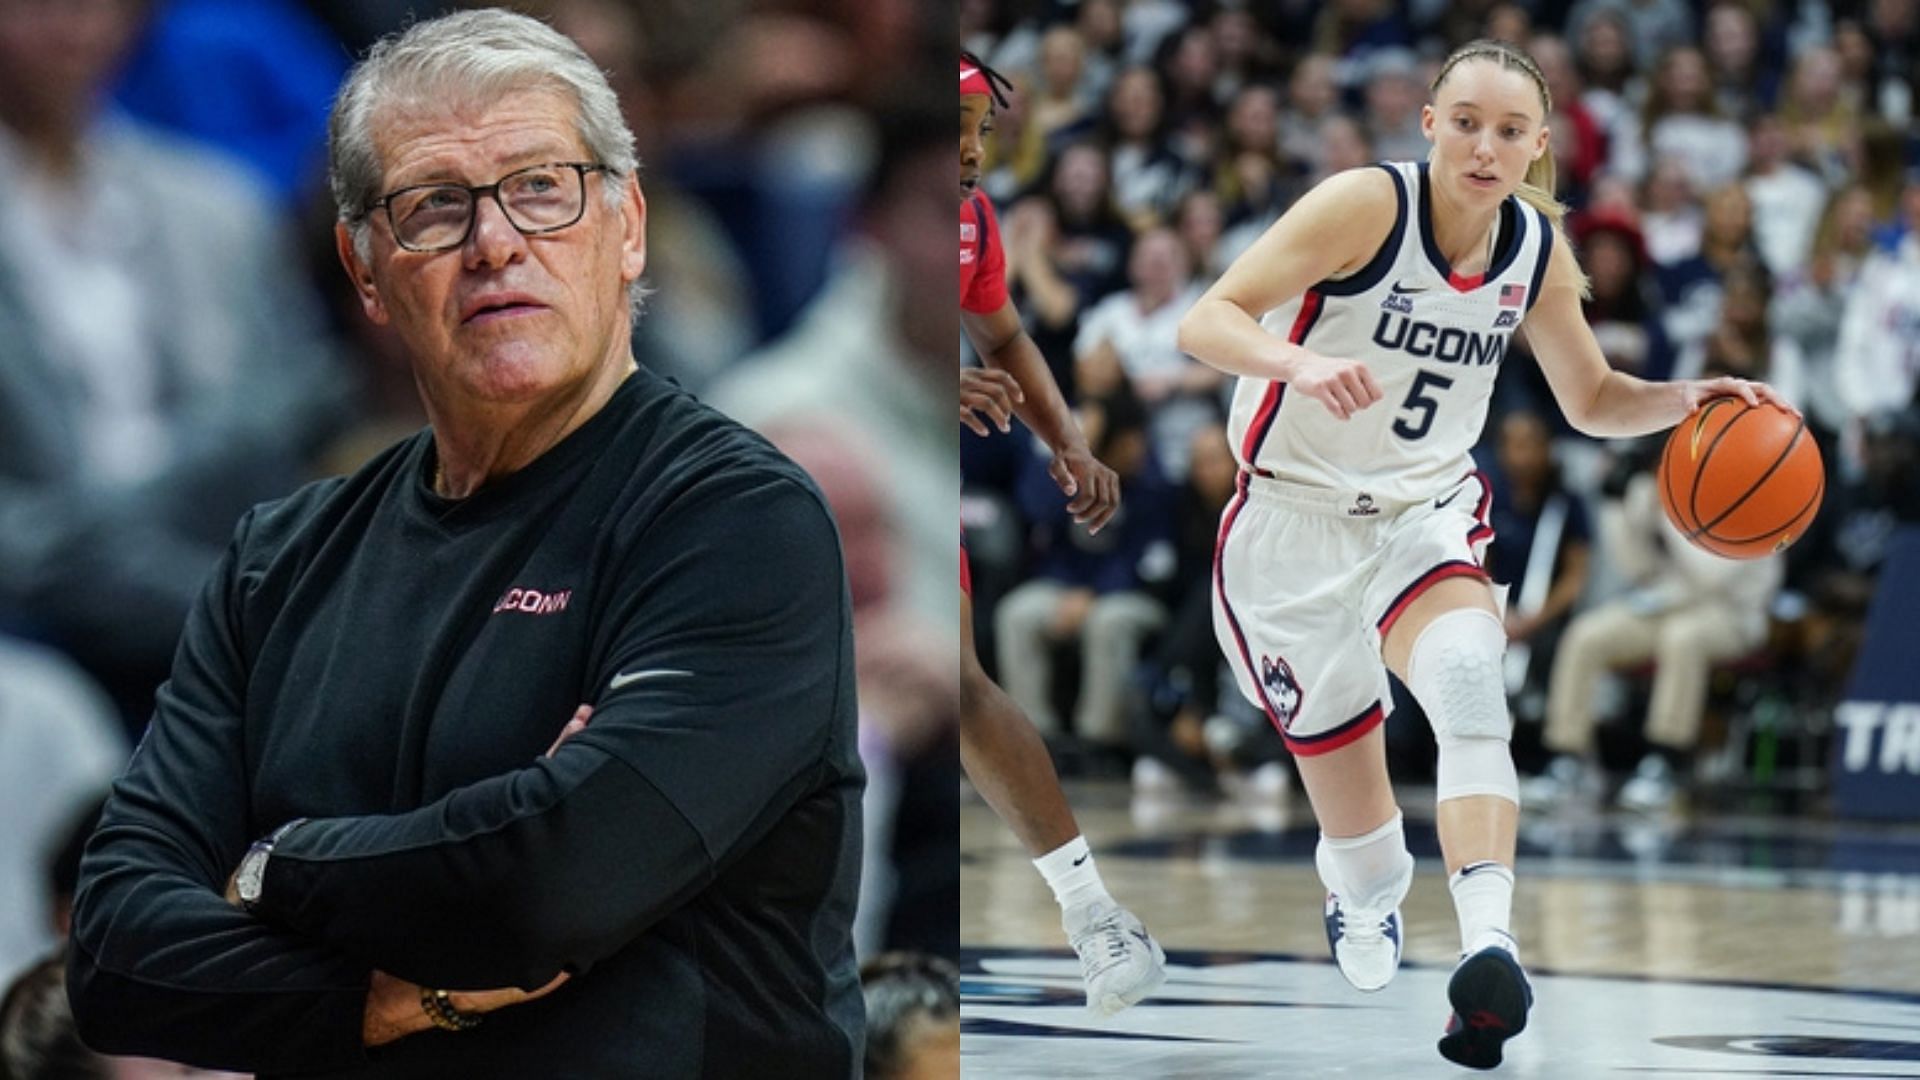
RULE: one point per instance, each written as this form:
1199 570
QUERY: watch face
247 883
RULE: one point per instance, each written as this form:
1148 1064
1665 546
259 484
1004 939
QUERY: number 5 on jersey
1418 401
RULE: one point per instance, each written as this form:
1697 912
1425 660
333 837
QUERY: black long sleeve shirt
392 665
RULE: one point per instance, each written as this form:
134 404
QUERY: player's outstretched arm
1333 230
1597 399
1092 489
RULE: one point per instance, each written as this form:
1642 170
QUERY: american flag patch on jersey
1513 295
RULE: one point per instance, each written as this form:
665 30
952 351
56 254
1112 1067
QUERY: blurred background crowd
1744 178
178 342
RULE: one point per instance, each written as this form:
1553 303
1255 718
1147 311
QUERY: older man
359 738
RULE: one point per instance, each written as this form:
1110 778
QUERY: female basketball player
1003 754
1354 543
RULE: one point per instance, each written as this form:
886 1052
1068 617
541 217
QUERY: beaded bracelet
440 1009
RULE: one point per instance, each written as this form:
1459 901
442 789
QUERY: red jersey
983 265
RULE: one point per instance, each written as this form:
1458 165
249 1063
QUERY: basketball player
1004 756
1354 542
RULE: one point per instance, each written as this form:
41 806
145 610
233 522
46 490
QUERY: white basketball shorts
1307 581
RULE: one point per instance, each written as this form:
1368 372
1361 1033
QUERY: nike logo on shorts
1442 504
625 677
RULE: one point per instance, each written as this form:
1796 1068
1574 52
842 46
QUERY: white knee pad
1457 675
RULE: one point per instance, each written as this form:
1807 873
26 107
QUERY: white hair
468 56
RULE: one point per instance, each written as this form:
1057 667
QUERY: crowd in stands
178 342
1744 185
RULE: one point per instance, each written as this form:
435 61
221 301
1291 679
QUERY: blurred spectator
1249 176
1313 96
1133 336
1624 310
1614 90
1686 611
1671 215
163 363
876 345
1343 145
1088 588
1579 142
1351 29
1540 544
1147 178
1190 65
1057 110
1740 343
1692 289
1809 304
913 1017
1651 26
1200 222
1394 96
1245 54
38 1039
1730 39
1879 350
1892 77
1065 249
1822 124
1179 685
1098 24
1509 22
1787 197
60 746
1684 123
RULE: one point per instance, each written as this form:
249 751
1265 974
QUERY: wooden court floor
1681 946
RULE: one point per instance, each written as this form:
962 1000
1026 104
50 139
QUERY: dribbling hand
1343 386
1698 392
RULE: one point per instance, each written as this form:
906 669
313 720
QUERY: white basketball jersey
1433 340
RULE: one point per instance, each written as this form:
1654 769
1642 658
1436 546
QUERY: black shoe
1490 997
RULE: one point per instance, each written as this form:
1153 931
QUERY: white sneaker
1121 963
1366 945
1566 779
1652 788
1151 776
1270 783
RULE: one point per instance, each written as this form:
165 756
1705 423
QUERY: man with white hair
350 843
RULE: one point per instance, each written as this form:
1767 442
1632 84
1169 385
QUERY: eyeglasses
537 199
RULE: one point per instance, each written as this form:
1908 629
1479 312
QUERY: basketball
1741 481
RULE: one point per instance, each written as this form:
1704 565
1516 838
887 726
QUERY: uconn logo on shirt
533 601
1449 345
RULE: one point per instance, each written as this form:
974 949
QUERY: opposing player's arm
1335 229
1092 489
1597 399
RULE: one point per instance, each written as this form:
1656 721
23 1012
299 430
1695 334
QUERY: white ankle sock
1070 871
1483 900
1372 871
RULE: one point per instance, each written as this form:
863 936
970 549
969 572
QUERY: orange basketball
1741 481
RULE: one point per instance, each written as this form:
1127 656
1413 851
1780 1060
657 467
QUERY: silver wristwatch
252 877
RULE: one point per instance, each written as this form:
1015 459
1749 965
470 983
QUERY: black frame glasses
472 193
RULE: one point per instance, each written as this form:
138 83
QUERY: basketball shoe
1490 997
1120 962
1365 944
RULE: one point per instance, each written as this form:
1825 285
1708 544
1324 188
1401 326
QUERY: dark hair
38 1040
905 990
997 83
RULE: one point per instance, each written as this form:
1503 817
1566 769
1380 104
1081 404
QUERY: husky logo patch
1281 689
